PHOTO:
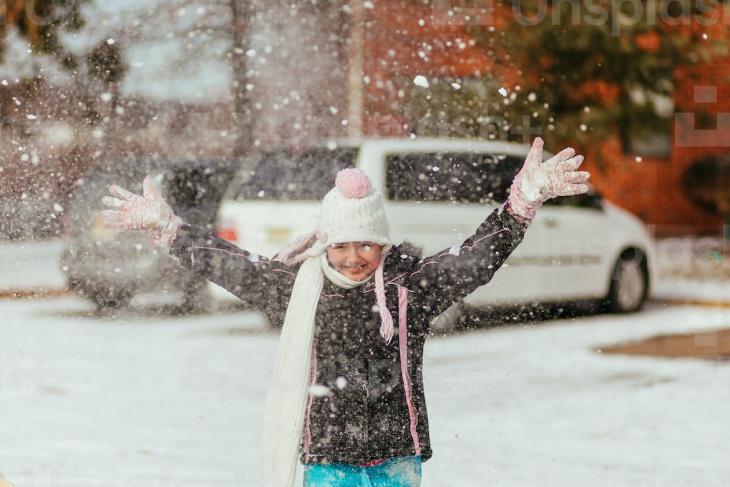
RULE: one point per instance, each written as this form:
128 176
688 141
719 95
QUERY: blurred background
641 92
204 93
638 87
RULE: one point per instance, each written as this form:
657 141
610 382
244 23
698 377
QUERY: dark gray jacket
367 412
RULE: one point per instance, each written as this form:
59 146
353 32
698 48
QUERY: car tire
110 299
629 283
196 298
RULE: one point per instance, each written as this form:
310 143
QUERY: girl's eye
366 248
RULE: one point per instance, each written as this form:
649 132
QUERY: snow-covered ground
162 401
28 265
705 290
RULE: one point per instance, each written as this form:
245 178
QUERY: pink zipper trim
403 346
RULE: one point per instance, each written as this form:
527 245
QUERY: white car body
567 253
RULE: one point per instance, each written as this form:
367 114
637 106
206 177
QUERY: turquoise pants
396 472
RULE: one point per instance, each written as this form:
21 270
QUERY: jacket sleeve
452 274
252 278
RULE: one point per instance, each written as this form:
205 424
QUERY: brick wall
402 42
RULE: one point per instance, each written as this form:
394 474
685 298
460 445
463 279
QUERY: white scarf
339 279
288 391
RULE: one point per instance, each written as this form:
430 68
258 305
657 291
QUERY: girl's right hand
539 181
149 212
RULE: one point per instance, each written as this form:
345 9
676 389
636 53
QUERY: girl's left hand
539 181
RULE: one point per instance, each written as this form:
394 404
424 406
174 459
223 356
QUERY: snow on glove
149 212
539 181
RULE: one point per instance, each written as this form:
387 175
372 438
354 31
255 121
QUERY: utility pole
243 86
355 85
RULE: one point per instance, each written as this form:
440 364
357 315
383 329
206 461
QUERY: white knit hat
353 211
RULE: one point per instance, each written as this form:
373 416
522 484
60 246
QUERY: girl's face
354 260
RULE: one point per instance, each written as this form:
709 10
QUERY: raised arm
250 277
452 274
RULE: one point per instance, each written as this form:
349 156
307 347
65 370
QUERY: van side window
466 177
290 174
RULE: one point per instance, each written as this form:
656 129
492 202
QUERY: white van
437 192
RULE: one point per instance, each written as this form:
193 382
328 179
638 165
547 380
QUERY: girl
346 396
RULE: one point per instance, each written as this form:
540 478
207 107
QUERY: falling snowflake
319 390
421 81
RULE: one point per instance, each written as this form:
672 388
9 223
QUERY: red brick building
404 39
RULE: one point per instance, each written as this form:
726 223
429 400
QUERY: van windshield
291 174
459 177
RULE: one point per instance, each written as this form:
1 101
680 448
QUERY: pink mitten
539 181
149 212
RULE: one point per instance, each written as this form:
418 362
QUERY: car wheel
196 298
629 283
110 298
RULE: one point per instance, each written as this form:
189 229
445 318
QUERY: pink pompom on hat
353 183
